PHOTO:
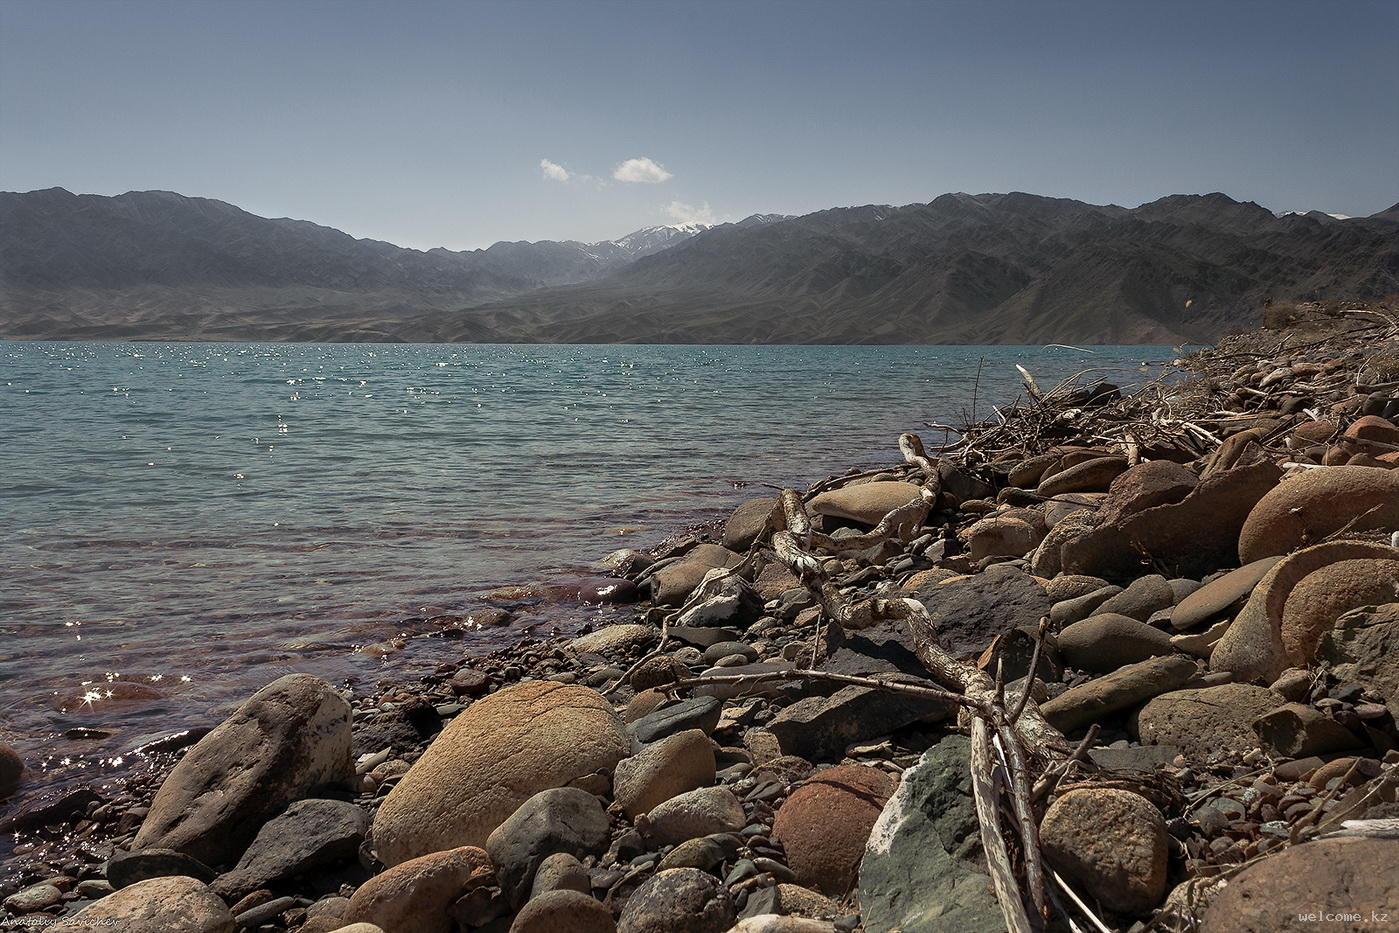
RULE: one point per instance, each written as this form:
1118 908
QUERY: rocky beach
1119 658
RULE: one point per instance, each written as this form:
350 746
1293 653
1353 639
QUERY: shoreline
974 559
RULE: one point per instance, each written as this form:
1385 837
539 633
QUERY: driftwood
1012 746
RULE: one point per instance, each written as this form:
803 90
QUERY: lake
202 518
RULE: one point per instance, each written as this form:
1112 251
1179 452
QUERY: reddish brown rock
415 895
826 822
1113 842
1191 537
1304 509
1289 892
1253 648
1157 482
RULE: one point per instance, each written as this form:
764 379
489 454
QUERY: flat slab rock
969 611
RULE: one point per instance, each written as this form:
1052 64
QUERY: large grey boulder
311 834
289 740
920 872
562 819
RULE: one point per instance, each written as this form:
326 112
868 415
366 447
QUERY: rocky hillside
991 268
1011 268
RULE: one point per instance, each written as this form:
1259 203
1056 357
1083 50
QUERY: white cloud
641 171
683 213
554 171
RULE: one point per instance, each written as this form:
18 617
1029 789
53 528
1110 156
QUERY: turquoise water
205 517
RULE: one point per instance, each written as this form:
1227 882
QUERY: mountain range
988 268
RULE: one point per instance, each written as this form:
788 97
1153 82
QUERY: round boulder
826 822
701 812
1113 842
1305 509
1000 536
1253 647
662 770
1321 597
679 900
491 758
865 503
564 912
414 895
159 905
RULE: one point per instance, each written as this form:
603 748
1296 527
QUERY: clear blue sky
426 123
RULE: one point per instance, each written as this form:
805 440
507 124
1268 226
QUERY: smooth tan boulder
671 585
286 741
1113 842
1306 508
415 895
173 904
662 770
494 756
1000 536
1253 648
866 503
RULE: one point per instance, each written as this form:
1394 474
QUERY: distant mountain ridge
990 268
54 238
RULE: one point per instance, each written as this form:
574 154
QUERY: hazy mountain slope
962 268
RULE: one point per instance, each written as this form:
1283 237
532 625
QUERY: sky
458 124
